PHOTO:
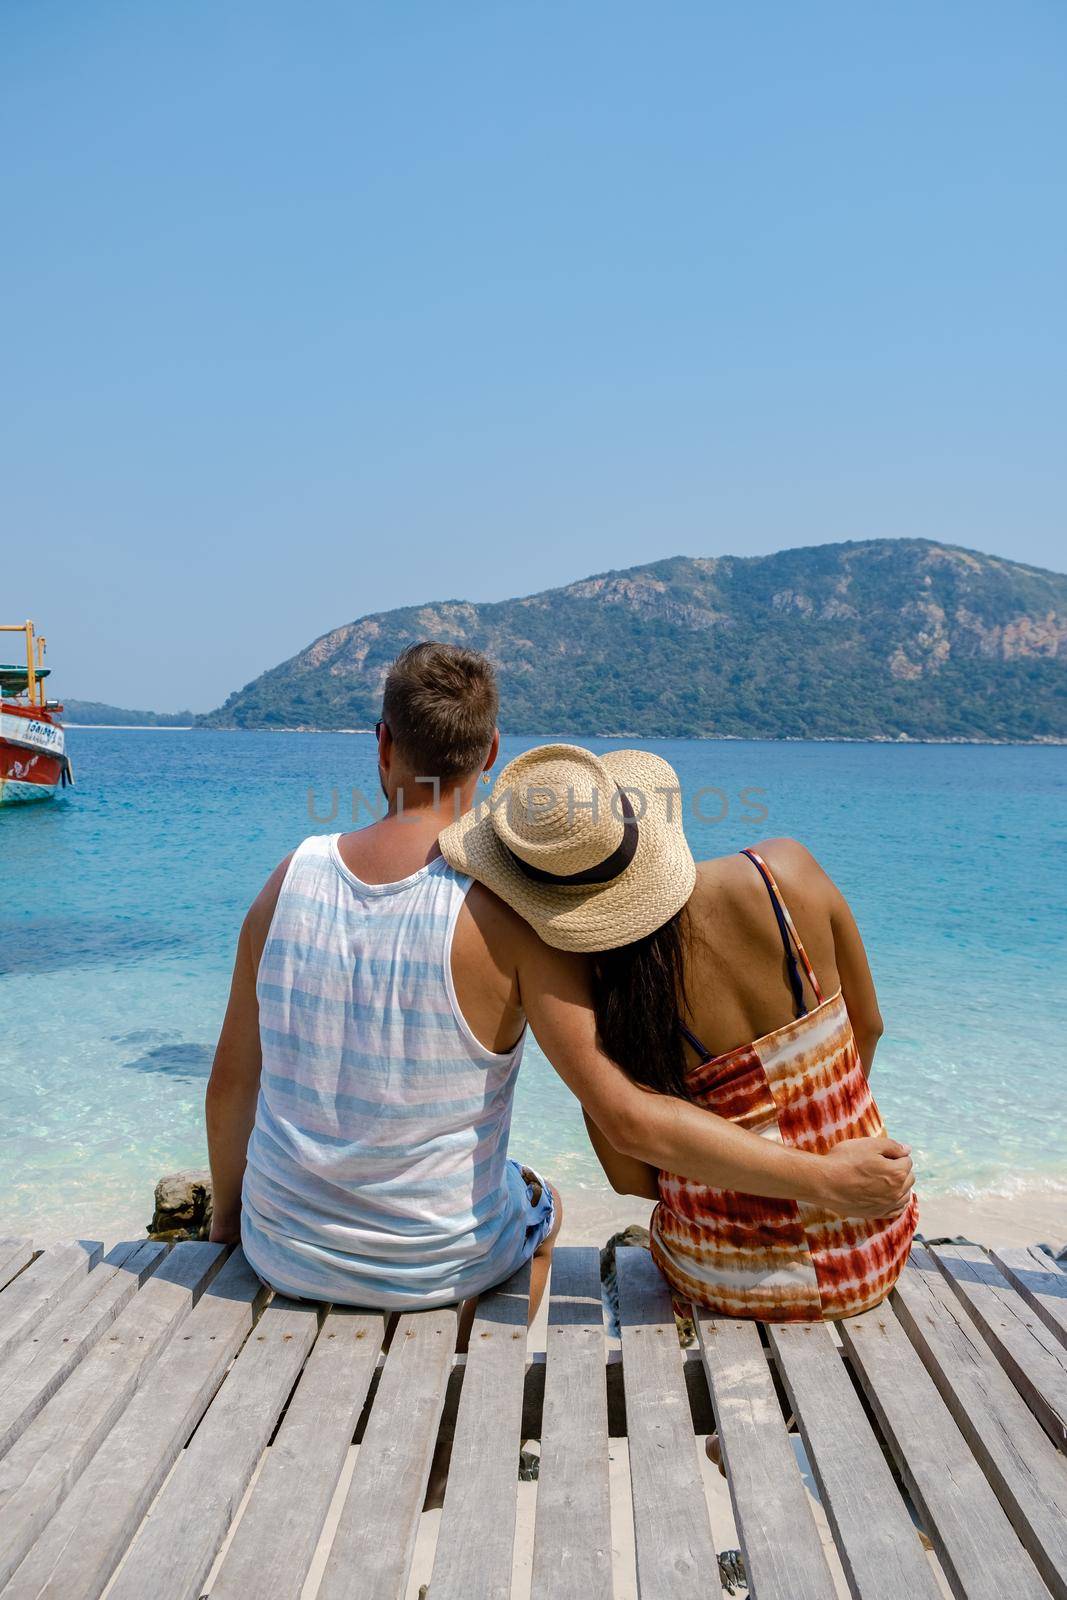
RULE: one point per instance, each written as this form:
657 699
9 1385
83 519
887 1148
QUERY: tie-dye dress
741 1255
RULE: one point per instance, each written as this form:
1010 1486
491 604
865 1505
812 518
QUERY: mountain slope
855 640
95 714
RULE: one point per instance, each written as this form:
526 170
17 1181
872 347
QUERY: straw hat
588 849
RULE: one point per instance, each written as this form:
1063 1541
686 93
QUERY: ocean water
120 907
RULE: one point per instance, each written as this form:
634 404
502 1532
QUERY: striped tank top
377 1169
741 1255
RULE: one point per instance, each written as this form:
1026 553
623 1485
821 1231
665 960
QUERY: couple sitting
716 1021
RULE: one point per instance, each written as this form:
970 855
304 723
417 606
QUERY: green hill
878 639
95 713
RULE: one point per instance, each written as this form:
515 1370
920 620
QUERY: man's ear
385 748
494 750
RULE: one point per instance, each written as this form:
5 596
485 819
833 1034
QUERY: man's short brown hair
440 705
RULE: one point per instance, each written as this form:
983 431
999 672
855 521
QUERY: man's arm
860 1177
626 1174
233 1088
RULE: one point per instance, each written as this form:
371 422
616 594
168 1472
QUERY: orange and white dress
741 1255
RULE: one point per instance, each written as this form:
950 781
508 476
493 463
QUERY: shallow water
120 905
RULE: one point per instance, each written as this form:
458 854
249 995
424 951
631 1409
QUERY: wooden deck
167 1430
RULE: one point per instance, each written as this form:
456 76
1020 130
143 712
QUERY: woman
740 984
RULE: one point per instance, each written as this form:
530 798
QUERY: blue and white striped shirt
377 1168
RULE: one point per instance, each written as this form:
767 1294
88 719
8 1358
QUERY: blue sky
315 310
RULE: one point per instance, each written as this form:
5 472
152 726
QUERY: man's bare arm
860 1177
233 1088
626 1174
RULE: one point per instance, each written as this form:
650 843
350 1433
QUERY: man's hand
865 1178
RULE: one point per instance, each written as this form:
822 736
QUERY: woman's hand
865 1178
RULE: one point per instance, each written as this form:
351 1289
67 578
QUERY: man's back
377 1169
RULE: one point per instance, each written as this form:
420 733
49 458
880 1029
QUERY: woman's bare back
736 975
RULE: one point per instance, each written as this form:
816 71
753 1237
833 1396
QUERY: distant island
93 713
881 639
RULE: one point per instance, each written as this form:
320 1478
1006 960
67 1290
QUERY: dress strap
790 937
687 1033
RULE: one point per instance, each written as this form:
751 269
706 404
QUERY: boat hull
32 755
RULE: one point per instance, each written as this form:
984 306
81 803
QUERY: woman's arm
857 985
857 1178
798 871
626 1174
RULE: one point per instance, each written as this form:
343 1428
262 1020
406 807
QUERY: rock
183 1207
732 1574
632 1237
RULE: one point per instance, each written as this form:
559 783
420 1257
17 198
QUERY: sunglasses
379 725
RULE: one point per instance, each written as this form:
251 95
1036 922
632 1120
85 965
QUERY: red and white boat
33 755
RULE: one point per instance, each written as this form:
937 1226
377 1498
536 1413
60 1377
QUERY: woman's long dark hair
639 1000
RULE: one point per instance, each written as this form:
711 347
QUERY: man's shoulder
261 911
490 932
501 927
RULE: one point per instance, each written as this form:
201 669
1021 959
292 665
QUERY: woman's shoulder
791 863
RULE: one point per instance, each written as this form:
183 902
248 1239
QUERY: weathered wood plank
572 1531
979 1552
875 1536
272 1549
37 1367
1026 1470
675 1554
379 1520
174 1551
1028 1350
14 1255
82 1543
779 1540
1041 1283
44 1282
46 1461
476 1539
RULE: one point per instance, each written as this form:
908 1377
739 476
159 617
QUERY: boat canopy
15 680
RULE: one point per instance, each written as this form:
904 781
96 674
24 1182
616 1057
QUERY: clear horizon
315 315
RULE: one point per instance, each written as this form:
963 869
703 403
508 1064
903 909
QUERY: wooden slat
272 1549
779 1540
572 1532
14 1255
476 1539
379 1520
83 1542
174 1551
45 1462
1041 1283
35 1291
38 1366
979 1552
875 1536
675 1555
1021 1341
1026 1470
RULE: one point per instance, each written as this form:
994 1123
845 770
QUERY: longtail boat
33 759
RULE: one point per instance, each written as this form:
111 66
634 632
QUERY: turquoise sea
120 905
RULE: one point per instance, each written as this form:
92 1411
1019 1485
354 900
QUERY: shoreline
1051 742
1036 1215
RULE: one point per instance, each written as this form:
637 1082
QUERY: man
360 1099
